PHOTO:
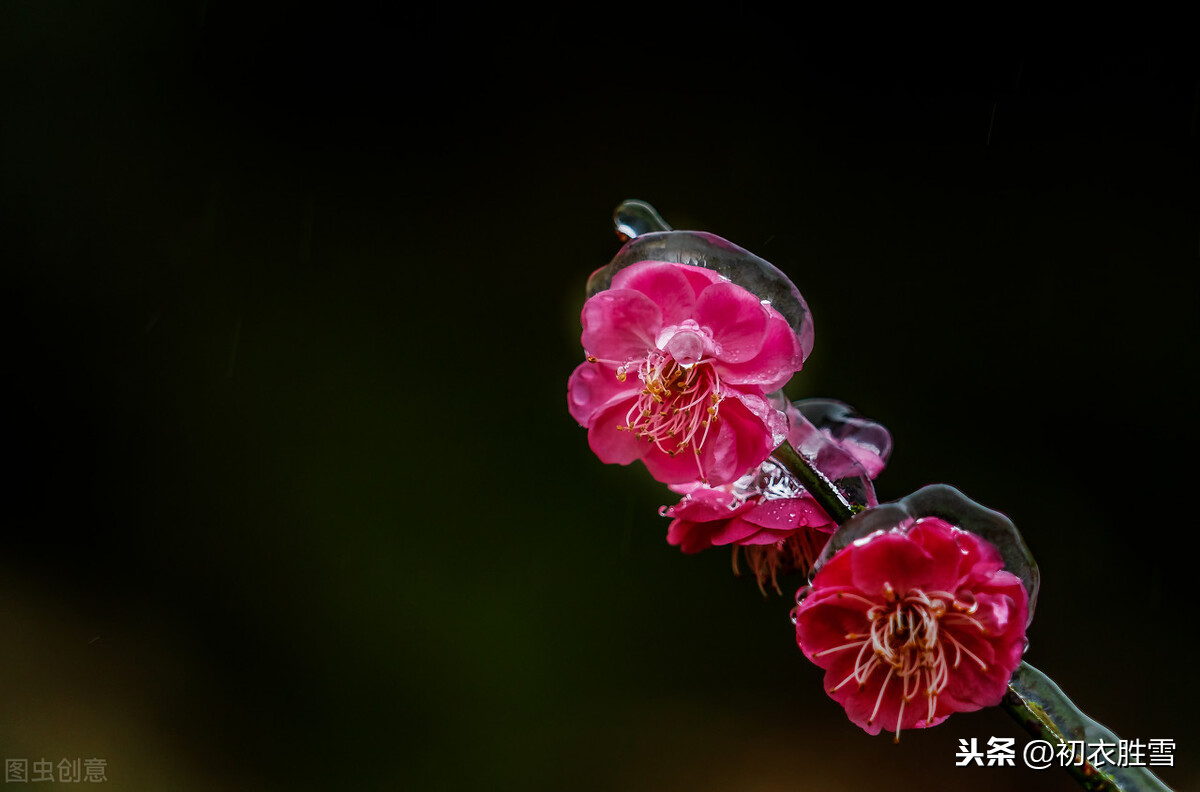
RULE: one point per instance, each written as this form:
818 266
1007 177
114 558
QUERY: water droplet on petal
802 593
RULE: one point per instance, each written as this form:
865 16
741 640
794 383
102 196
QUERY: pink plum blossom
914 623
679 362
767 514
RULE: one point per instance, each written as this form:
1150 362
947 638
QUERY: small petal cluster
679 362
913 624
768 515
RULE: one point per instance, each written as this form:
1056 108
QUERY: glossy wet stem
1033 700
821 488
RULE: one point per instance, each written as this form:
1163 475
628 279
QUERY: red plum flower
767 514
679 362
916 621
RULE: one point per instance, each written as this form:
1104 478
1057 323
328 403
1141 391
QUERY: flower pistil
907 636
677 405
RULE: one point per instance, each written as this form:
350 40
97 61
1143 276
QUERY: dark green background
295 501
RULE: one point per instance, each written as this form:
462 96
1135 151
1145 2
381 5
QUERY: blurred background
295 501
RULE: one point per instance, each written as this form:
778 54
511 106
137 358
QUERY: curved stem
1043 710
1033 700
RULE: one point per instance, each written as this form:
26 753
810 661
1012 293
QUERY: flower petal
765 536
826 618
788 514
945 545
972 686
704 504
612 445
594 386
892 559
734 531
736 318
691 537
740 443
779 358
620 325
835 574
665 284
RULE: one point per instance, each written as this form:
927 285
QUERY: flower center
677 405
907 636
